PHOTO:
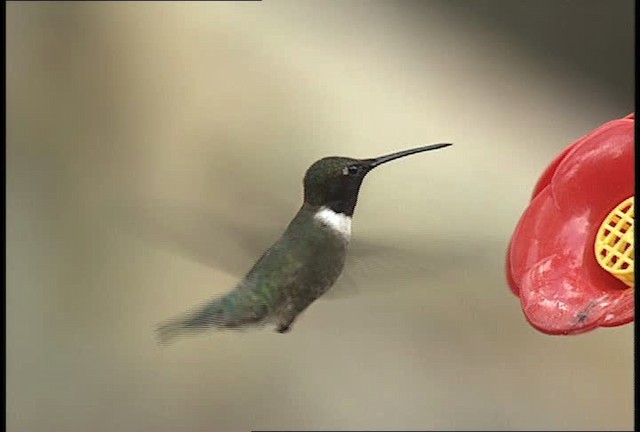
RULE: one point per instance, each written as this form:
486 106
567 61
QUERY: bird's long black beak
372 163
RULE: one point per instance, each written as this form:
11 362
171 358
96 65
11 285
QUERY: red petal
561 286
599 173
512 283
558 299
535 236
548 173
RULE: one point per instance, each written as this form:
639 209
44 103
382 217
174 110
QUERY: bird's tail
235 310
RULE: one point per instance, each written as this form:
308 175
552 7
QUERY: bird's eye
353 169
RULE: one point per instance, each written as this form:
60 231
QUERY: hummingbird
303 264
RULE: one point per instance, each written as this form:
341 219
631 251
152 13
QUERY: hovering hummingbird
303 263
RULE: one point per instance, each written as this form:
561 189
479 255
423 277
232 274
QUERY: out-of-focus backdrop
148 142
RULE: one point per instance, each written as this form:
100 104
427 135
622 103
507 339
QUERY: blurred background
155 149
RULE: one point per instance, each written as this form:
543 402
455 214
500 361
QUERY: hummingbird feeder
570 259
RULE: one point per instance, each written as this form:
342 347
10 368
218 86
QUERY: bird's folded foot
283 328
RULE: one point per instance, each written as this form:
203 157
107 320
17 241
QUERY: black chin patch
346 206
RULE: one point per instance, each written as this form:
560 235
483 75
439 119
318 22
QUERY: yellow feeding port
614 242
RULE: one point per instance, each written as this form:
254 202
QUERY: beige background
133 126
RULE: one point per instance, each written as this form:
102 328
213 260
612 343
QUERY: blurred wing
216 236
384 265
231 240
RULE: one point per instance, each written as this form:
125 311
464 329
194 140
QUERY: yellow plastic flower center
614 242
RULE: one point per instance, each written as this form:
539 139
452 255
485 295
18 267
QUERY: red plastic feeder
570 259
